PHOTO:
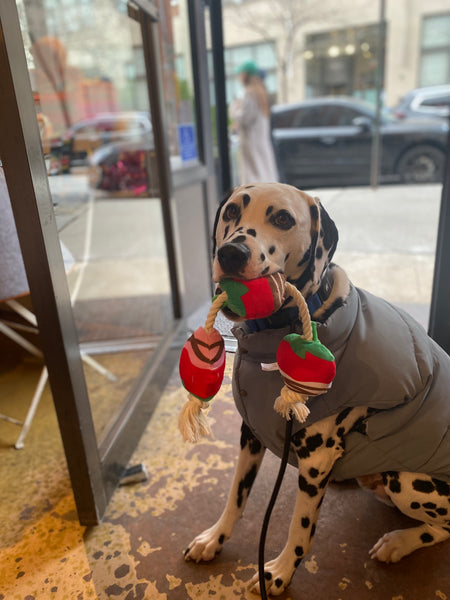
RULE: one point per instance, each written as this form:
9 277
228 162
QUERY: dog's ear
216 220
324 239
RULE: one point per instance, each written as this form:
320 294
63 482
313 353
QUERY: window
435 50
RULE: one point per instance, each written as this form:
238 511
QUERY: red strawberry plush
202 363
254 298
306 366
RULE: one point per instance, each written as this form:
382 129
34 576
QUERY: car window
285 119
437 101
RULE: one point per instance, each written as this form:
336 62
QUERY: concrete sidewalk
387 240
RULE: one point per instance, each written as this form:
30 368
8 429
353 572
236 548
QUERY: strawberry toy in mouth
253 298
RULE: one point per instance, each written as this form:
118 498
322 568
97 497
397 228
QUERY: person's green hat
249 66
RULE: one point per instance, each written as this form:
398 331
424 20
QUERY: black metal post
439 324
376 145
215 10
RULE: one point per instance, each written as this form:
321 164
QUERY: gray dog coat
384 360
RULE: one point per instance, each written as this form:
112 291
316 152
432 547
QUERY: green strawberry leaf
235 290
315 347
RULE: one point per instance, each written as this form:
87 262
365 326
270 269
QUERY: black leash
273 498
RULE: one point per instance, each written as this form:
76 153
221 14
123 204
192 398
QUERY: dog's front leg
318 447
209 543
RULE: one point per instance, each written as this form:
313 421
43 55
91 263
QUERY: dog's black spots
297 437
313 472
314 212
340 432
221 539
427 538
267 575
278 582
246 200
431 514
360 426
264 271
249 187
429 505
343 414
330 442
324 482
303 484
331 309
238 220
269 209
246 484
415 505
442 487
297 562
313 531
225 233
232 212
251 232
305 522
441 511
271 249
314 441
240 239
319 252
299 550
423 485
262 257
320 502
248 439
282 219
287 256
331 236
304 258
394 486
447 529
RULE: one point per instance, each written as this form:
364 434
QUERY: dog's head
268 228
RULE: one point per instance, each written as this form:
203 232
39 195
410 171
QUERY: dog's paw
277 576
206 545
392 547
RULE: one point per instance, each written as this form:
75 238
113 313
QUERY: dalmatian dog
385 420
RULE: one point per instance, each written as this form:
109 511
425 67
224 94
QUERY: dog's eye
231 212
282 219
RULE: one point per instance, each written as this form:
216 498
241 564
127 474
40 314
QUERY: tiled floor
136 553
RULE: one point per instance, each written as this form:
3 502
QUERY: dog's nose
233 257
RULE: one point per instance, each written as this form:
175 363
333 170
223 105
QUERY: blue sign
187 142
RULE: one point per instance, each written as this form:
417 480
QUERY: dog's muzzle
233 257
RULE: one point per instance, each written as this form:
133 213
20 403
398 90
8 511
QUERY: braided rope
215 307
303 311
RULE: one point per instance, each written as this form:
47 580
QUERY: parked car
428 102
328 141
125 168
88 135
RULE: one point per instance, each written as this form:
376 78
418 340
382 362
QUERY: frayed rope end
192 421
290 402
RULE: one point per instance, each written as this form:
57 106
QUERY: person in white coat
251 118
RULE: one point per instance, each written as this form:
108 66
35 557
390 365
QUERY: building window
435 51
342 62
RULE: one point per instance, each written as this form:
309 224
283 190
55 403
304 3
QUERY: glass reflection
91 100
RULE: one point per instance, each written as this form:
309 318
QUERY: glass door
96 235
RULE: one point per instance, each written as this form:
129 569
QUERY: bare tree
285 19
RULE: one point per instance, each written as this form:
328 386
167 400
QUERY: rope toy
307 367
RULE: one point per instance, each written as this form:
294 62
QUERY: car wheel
421 164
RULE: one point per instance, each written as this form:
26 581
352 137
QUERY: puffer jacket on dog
396 364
